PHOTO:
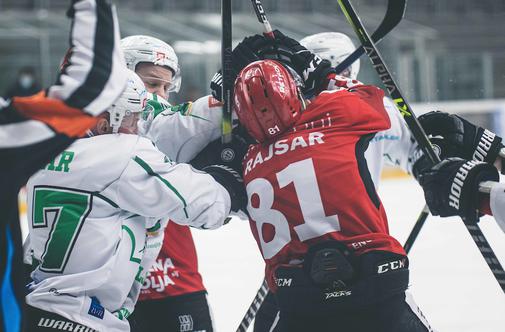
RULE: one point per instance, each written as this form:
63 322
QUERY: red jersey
312 183
175 271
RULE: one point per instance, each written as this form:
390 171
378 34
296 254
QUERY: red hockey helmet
266 99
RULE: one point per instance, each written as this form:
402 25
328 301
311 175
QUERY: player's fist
250 49
458 137
311 68
451 187
232 182
229 154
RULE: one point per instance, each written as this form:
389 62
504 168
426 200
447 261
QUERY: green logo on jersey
64 160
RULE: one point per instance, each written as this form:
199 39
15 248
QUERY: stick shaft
226 65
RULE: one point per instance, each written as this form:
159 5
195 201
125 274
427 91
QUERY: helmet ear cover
266 99
132 100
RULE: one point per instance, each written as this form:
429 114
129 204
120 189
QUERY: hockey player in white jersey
92 209
180 132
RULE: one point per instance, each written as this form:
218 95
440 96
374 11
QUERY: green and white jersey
182 131
88 213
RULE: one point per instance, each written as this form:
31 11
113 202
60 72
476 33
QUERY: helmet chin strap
303 100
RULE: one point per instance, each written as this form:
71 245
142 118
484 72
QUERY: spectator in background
26 84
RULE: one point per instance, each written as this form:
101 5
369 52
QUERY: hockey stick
416 229
263 290
394 14
418 132
262 18
254 307
226 64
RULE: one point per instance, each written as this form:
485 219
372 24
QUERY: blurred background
443 51
445 54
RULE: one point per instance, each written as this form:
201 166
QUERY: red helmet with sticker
267 99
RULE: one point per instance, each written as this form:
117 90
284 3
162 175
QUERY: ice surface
449 279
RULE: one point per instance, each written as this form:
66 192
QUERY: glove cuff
232 182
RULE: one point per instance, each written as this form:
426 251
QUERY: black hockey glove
229 154
247 51
311 68
452 186
232 182
216 86
453 136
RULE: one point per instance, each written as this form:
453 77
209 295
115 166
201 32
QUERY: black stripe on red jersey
364 172
103 49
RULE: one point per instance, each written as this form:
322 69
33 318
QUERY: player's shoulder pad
205 106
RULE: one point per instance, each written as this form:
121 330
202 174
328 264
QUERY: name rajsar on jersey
283 146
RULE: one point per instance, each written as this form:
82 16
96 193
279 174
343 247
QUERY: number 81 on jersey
315 223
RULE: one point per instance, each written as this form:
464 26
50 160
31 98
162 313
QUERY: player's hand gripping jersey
312 184
108 189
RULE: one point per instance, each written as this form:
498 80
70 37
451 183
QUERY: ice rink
449 278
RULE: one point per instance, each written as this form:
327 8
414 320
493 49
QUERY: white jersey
88 214
497 203
393 146
183 136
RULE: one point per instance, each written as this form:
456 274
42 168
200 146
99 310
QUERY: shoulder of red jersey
359 107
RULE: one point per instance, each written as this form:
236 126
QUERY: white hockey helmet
132 100
333 46
141 48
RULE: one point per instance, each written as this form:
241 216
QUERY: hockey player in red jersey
314 211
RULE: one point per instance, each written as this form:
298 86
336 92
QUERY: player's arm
153 186
496 203
182 131
93 74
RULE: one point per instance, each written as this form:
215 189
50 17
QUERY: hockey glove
460 138
311 68
453 136
229 154
247 51
216 86
232 182
452 186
